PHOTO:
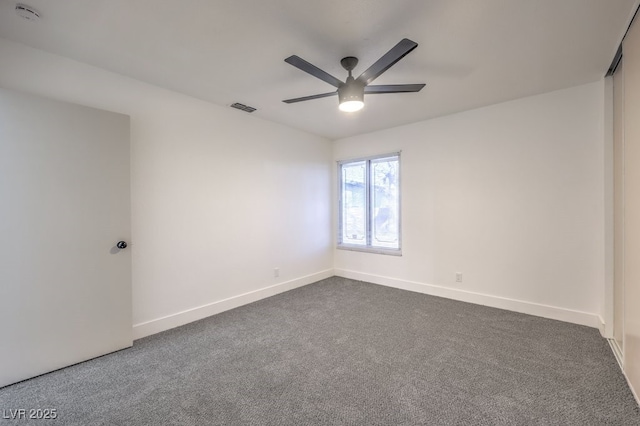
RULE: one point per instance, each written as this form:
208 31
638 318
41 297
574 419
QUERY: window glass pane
354 198
385 203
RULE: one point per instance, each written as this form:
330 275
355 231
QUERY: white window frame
369 248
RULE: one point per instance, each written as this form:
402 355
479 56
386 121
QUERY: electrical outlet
458 277
276 272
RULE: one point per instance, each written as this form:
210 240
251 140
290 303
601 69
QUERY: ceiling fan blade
305 66
393 88
396 53
308 98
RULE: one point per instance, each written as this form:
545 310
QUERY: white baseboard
181 318
603 328
617 352
633 391
545 311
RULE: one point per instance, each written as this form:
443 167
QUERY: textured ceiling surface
471 53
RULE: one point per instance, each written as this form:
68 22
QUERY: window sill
374 250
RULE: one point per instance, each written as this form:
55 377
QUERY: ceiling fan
351 93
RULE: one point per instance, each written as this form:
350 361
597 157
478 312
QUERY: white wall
219 198
511 195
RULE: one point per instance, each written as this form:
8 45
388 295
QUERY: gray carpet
343 352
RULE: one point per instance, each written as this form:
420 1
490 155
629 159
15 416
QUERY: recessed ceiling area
469 54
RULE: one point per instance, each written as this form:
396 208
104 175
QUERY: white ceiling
471 52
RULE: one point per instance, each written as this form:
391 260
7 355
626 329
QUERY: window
369 217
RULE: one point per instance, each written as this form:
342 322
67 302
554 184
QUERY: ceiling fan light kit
351 106
351 93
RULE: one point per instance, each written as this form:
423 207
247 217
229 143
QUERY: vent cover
242 107
27 12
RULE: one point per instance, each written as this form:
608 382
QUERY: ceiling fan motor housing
352 90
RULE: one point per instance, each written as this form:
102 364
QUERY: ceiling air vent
242 107
27 12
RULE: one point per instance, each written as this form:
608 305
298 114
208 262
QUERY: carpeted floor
343 352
